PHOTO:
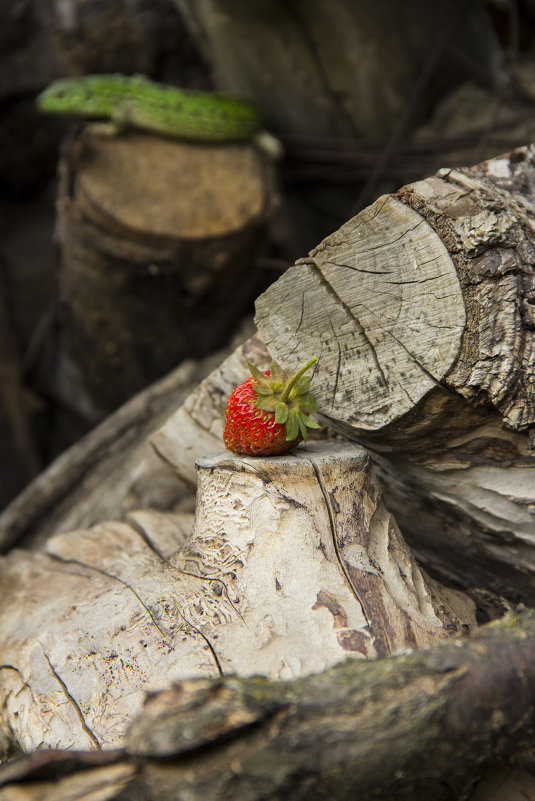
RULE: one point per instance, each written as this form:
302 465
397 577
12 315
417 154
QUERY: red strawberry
268 413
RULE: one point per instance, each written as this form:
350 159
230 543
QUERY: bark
420 309
147 222
408 728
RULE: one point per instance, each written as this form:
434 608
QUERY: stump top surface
170 188
318 451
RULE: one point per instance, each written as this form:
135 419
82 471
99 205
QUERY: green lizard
137 102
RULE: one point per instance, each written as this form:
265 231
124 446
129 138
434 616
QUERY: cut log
293 565
421 312
151 223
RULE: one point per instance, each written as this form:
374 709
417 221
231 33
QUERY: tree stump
294 564
290 551
158 241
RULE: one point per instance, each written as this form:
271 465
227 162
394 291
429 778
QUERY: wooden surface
453 435
172 189
110 472
318 73
427 724
147 223
366 303
293 565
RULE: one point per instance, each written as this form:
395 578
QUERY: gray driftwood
293 565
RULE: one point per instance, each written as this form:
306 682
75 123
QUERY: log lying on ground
293 565
421 310
407 728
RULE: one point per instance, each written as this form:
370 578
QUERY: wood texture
364 300
453 435
293 565
412 727
110 472
317 73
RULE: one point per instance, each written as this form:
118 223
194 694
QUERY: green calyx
288 396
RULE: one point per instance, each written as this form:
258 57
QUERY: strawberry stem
293 380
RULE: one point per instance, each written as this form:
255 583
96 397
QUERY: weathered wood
356 303
416 726
293 564
110 472
413 284
151 223
427 356
407 728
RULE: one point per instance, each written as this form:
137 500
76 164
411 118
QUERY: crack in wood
332 525
114 577
206 640
406 349
72 700
315 268
359 269
339 362
384 244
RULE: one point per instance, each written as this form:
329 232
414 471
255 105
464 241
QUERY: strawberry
268 413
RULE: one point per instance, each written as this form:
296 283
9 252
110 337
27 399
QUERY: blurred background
121 259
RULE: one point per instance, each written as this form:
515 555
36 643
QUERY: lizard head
86 96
